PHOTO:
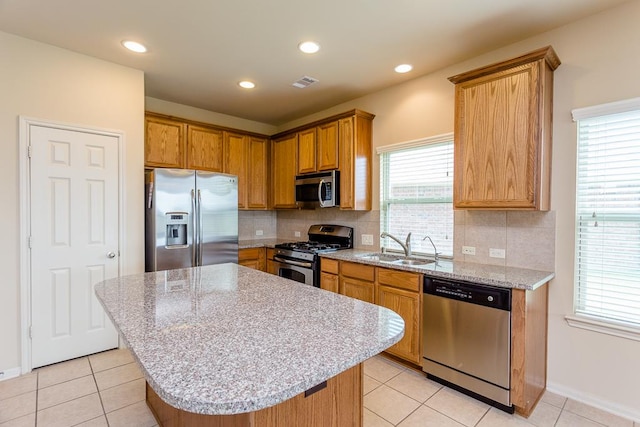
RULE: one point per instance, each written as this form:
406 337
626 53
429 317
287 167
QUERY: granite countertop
506 277
225 339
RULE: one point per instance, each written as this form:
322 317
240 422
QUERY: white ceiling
200 49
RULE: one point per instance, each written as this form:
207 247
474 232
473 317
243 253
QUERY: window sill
603 327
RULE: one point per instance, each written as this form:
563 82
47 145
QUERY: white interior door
74 241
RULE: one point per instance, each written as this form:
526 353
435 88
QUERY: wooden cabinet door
164 143
358 289
272 267
408 305
236 162
495 148
327 146
329 282
346 163
205 149
307 151
285 154
502 141
253 258
258 177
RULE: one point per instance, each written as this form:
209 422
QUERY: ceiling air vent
304 82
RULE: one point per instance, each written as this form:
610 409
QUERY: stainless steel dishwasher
467 338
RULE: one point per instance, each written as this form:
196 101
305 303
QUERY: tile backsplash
527 238
250 222
363 222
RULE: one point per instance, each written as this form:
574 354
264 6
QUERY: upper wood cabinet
318 148
502 138
236 162
355 146
164 143
284 168
247 156
176 143
342 142
327 146
204 148
307 151
258 178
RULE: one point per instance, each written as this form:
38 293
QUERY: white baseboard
9 373
588 399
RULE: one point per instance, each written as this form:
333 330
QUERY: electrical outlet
296 234
496 253
469 250
259 233
367 239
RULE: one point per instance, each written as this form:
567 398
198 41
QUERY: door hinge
30 332
29 151
30 241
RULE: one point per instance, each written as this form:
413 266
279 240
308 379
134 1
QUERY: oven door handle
289 261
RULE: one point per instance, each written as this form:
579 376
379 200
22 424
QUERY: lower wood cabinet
329 269
358 289
358 281
401 291
397 290
253 258
408 305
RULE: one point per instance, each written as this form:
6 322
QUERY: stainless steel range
299 261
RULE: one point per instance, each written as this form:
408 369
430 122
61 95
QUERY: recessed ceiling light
309 47
403 68
134 46
247 84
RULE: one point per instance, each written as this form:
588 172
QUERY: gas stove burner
322 238
309 246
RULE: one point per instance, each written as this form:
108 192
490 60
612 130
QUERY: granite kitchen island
227 345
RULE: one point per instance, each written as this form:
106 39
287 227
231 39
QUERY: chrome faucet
406 246
435 251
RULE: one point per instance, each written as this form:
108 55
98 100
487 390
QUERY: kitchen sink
395 259
416 262
379 257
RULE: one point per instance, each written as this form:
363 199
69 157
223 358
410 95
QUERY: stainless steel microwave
320 189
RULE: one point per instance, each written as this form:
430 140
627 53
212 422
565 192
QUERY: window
607 278
416 194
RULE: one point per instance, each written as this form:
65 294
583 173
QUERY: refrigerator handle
194 241
200 227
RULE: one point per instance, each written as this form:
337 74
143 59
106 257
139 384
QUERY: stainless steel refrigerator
191 218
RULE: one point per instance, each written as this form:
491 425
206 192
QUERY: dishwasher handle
473 293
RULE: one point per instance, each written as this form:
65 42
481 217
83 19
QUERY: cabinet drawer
358 271
249 254
329 265
400 279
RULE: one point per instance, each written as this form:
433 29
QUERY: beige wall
600 61
44 82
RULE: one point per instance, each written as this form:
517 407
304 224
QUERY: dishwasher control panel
489 296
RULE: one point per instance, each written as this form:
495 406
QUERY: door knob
111 255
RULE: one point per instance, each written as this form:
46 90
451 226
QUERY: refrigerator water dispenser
176 229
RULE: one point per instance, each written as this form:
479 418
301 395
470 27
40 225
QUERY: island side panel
338 404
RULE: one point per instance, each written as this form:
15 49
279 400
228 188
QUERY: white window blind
416 194
608 213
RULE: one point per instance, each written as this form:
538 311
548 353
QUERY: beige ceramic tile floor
107 389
